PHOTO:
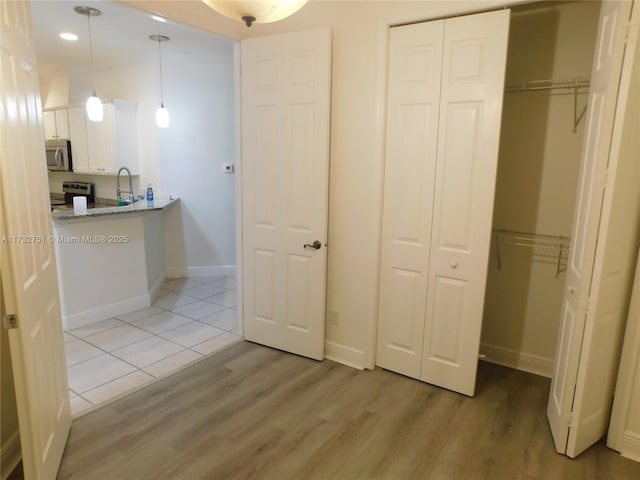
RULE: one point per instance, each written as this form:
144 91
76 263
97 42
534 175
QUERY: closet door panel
474 61
412 126
582 385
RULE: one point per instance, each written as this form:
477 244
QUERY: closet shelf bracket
575 84
576 117
544 247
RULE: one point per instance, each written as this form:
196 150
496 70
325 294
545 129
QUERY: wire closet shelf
549 84
574 84
544 247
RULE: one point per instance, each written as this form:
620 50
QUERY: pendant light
94 105
256 11
162 114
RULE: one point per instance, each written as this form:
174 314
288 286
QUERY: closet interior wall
537 178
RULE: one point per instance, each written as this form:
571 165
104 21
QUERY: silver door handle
317 245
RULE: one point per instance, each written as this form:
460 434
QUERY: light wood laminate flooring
251 412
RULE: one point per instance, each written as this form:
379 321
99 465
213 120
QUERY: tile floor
190 318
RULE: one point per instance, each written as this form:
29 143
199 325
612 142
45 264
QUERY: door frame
384 26
237 105
385 23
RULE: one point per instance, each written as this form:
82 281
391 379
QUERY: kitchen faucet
118 191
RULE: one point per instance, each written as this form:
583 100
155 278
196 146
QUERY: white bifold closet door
600 268
446 81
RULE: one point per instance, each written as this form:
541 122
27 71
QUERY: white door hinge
10 321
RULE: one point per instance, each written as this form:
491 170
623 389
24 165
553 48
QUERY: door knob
453 264
315 245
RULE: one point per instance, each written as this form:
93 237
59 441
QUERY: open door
285 171
27 261
599 270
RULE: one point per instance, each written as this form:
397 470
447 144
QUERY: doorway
199 74
551 51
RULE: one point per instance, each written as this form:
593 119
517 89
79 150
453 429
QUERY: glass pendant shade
162 114
162 117
94 108
258 11
94 105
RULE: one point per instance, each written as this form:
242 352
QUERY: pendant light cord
161 85
93 80
90 37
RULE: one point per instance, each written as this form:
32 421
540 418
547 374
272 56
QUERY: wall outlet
335 318
228 168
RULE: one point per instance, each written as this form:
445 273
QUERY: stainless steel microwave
59 155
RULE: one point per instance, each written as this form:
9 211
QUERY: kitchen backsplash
105 185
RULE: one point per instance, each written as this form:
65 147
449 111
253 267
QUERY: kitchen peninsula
110 259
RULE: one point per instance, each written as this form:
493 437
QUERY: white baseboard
630 447
345 355
155 288
10 455
211 271
518 360
77 320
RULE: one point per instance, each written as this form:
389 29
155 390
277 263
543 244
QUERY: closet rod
574 83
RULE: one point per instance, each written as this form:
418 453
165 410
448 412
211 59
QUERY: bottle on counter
149 194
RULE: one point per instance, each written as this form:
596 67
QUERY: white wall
357 133
201 234
184 160
357 162
537 178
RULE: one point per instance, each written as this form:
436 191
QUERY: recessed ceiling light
158 18
72 37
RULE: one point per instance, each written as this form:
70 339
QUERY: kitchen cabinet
113 143
56 124
78 137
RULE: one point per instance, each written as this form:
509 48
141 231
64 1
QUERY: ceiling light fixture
94 105
162 114
256 11
71 37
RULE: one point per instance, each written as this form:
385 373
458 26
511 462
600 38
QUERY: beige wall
357 161
357 135
537 179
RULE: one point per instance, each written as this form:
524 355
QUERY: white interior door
623 427
589 334
413 104
473 69
27 262
285 164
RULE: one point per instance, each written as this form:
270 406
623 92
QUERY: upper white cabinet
113 143
78 137
103 147
56 124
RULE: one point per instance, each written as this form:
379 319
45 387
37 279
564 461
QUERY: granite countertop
136 207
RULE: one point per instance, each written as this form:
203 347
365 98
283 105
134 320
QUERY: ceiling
120 34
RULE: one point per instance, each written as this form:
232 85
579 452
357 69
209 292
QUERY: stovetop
72 189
